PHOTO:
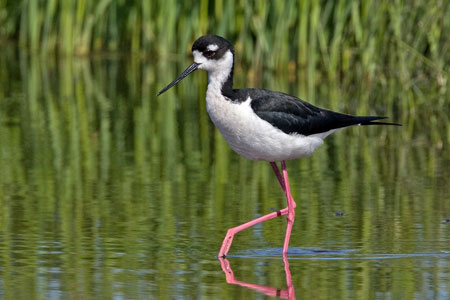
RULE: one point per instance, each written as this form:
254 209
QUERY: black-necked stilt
261 124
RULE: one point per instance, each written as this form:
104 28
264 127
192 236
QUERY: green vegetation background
384 43
92 163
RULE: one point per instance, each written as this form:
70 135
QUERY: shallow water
109 192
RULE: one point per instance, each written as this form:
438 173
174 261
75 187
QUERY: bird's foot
226 244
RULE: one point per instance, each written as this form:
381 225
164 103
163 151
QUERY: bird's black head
213 54
212 46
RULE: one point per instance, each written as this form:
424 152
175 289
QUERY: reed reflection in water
108 192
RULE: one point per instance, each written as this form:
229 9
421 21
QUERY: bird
262 125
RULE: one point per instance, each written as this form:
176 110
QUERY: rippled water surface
107 192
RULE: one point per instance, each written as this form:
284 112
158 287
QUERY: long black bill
186 72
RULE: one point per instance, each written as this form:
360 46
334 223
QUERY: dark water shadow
292 253
326 254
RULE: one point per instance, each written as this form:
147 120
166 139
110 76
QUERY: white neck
218 70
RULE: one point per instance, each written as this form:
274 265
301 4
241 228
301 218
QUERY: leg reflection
287 293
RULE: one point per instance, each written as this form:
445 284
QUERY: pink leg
226 244
278 174
291 208
284 182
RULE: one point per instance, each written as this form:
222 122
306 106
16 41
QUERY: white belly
254 138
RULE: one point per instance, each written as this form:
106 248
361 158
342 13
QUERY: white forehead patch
198 56
212 47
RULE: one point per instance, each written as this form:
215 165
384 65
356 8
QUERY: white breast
251 136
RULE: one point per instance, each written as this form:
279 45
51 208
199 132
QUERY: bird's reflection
287 293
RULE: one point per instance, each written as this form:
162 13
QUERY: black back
293 115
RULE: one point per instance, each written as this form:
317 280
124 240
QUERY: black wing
293 115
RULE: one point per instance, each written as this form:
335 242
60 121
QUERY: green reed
332 33
381 43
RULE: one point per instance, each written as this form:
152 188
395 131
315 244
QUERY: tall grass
331 32
402 43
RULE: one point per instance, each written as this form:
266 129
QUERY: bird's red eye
209 53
